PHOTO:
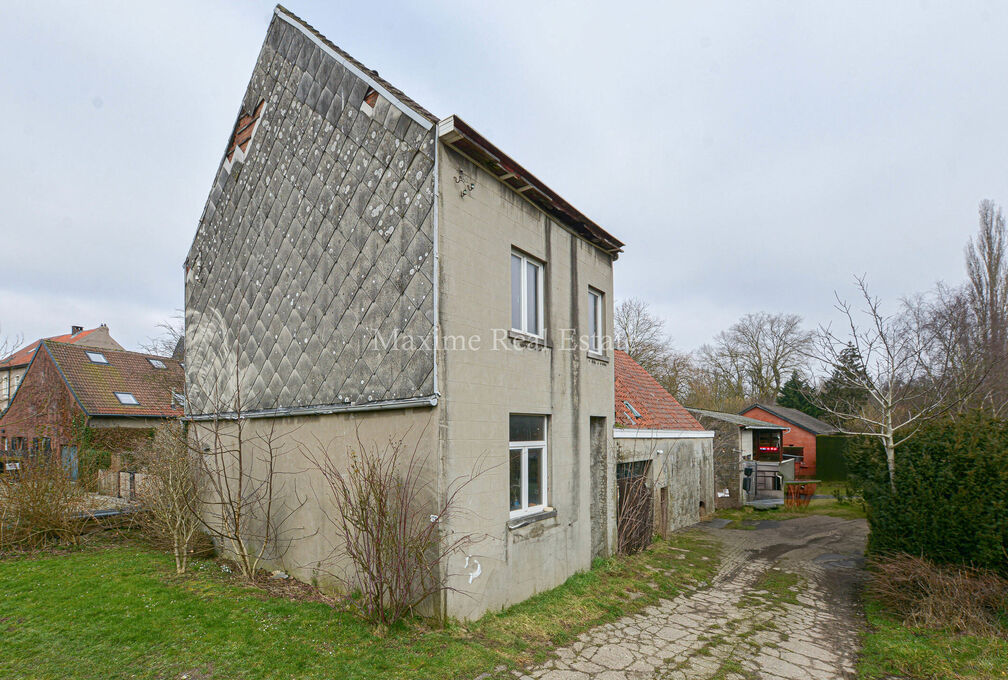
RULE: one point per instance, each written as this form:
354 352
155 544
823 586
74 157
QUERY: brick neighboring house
351 246
119 395
657 437
802 433
13 367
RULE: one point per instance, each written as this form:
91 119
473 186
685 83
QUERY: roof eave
460 136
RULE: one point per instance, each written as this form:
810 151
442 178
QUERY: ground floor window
527 464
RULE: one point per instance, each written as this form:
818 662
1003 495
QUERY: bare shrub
166 515
388 518
928 595
40 506
634 513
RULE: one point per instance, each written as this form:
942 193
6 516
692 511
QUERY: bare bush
388 517
928 595
166 515
40 506
634 513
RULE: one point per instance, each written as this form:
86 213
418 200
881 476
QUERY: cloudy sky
753 156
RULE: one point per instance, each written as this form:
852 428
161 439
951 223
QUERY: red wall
42 406
795 437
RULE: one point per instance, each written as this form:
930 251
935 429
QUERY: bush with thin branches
40 506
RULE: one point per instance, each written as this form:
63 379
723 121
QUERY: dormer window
127 399
156 363
96 357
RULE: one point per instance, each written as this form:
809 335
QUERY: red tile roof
94 385
658 409
23 356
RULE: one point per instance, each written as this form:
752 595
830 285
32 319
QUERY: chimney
74 330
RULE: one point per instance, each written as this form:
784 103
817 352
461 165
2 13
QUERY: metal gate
69 455
635 507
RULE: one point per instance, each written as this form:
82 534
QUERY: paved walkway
782 607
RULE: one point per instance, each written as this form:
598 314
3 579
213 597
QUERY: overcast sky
753 156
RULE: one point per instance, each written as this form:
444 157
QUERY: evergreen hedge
951 500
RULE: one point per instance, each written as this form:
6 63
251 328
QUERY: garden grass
120 612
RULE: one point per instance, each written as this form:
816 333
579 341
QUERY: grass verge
892 649
743 518
120 612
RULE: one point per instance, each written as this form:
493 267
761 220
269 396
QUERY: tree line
888 369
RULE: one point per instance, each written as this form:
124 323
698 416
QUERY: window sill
524 520
529 340
598 358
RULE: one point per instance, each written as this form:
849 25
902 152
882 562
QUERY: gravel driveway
782 606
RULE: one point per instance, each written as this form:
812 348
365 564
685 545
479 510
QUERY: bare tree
169 485
389 514
169 332
987 268
641 334
240 502
754 357
905 387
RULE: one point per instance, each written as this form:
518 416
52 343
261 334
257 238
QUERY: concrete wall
683 466
482 384
308 546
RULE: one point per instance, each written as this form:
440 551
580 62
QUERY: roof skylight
96 357
127 399
156 363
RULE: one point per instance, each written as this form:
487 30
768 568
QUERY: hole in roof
371 97
156 363
96 357
632 409
126 398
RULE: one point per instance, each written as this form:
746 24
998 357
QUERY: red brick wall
42 407
796 437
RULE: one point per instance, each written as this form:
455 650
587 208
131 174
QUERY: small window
527 464
96 357
156 363
594 321
632 409
127 399
526 295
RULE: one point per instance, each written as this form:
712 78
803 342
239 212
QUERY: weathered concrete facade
352 275
681 472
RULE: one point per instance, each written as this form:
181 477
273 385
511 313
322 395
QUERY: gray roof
735 419
796 418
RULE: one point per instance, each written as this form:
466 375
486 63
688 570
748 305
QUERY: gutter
391 405
626 433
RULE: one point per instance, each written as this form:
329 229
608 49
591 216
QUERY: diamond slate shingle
298 258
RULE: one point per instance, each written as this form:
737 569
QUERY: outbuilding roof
735 419
641 402
797 418
96 376
23 356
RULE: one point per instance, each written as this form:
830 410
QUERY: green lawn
892 649
833 508
120 612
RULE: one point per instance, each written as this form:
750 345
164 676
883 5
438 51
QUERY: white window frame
103 360
120 395
525 509
540 316
596 311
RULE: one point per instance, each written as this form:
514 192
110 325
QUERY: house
364 268
800 438
66 387
738 439
12 368
656 437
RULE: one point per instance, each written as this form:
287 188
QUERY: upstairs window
526 295
527 464
127 399
594 321
156 363
96 357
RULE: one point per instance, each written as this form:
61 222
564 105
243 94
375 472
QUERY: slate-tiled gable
658 409
318 244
